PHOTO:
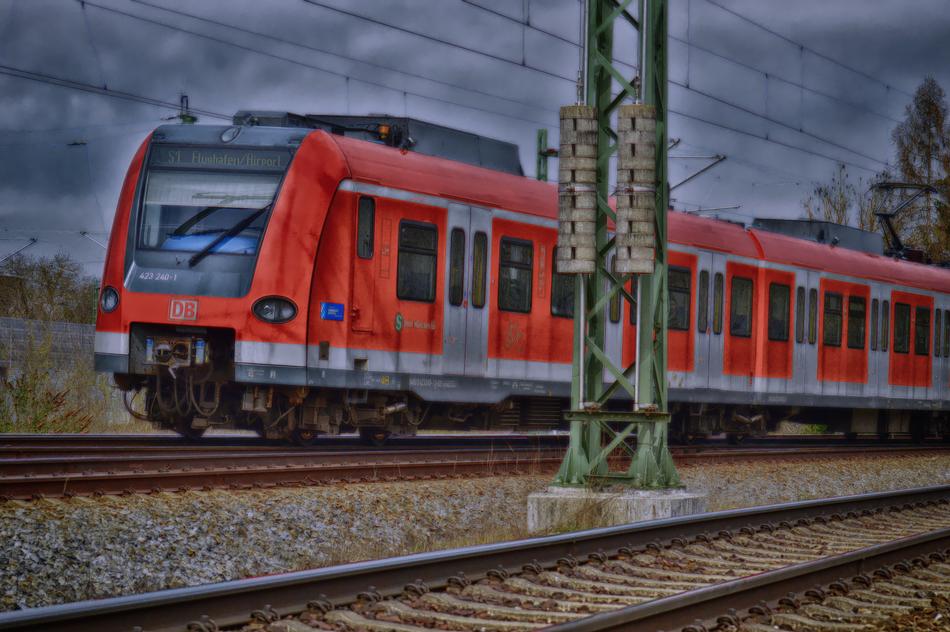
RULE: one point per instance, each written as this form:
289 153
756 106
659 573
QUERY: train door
800 349
808 350
940 362
363 269
466 314
704 303
943 383
877 359
717 295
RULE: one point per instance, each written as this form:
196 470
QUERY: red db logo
183 309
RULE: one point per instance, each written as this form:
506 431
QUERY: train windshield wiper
224 201
226 235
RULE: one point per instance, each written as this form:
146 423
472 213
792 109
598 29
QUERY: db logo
183 309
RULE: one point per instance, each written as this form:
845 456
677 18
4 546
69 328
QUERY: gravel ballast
55 551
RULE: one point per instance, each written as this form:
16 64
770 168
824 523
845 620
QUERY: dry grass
42 394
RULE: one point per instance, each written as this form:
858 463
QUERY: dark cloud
499 78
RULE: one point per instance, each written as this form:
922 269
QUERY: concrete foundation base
571 509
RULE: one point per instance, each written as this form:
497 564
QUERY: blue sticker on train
331 311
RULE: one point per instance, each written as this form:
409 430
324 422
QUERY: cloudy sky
784 90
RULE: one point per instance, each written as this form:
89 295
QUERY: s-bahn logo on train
183 309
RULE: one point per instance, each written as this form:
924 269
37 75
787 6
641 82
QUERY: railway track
653 575
39 467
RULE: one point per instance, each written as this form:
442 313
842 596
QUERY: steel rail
163 459
87 483
237 459
17 444
82 474
12 441
706 604
228 603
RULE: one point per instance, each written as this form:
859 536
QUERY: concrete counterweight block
577 191
571 508
636 189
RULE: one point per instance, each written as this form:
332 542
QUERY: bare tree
922 142
47 288
832 200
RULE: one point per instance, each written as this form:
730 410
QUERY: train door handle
355 313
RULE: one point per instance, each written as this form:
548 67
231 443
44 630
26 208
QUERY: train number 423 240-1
158 276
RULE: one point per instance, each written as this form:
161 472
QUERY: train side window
702 318
633 304
937 323
365 227
740 311
717 303
922 331
946 333
800 315
562 291
885 324
901 328
515 271
416 264
680 295
812 316
456 266
779 296
613 309
832 319
874 311
479 269
857 319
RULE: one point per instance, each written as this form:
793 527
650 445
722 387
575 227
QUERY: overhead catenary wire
692 45
765 138
775 121
803 46
772 76
41 77
169 105
326 51
446 42
433 38
92 43
227 42
724 101
311 66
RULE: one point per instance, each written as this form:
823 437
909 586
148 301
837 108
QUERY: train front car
207 277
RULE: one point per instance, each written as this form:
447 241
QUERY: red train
299 281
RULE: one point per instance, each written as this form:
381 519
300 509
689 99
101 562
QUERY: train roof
386 166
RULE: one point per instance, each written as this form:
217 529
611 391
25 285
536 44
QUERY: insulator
577 192
636 189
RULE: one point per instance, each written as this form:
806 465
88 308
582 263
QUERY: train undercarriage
190 405
182 379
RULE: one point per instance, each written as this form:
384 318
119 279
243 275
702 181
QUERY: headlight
274 309
109 299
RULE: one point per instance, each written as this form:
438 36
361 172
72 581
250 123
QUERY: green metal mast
596 430
542 155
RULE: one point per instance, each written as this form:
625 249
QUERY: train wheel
303 437
374 436
183 427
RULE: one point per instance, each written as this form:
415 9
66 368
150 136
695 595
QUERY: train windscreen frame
200 217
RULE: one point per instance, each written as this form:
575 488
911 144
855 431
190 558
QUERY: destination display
230 158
